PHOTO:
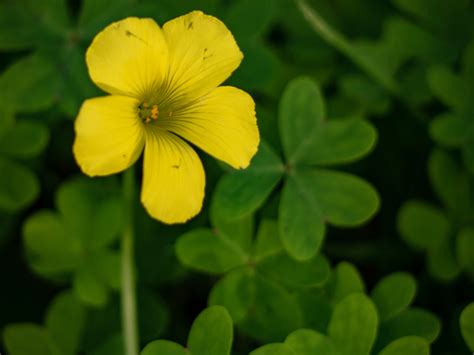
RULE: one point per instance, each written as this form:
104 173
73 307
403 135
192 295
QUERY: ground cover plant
305 187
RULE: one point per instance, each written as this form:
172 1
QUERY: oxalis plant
272 177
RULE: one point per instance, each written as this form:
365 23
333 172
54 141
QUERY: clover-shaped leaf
75 242
257 277
211 334
311 196
65 320
307 342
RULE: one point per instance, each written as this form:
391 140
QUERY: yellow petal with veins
109 135
129 57
173 178
222 123
203 53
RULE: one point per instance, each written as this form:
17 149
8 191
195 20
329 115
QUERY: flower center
148 112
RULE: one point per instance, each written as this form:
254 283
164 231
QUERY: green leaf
89 288
261 308
50 249
273 349
410 322
467 325
353 325
422 225
316 309
450 129
64 322
28 339
240 231
25 139
258 15
448 87
19 187
407 346
442 262
465 249
340 141
300 113
206 251
345 200
30 84
309 342
287 271
300 219
153 315
393 294
97 14
267 241
240 193
236 292
164 347
345 281
211 333
450 181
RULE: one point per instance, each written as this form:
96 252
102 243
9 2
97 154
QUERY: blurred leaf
451 183
64 322
442 262
96 14
267 241
258 16
450 130
111 346
393 294
89 288
206 251
316 309
27 339
19 187
421 225
240 193
467 325
25 139
300 113
29 84
164 347
345 280
49 247
448 87
353 325
211 333
410 322
465 249
153 316
273 349
407 346
26 23
308 342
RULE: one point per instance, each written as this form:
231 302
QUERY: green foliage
311 196
364 108
210 334
74 243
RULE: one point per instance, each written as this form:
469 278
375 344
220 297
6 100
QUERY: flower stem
128 293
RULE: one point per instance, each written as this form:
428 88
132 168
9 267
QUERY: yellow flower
164 86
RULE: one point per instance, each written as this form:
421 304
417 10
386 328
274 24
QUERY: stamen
146 114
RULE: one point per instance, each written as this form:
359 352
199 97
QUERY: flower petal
222 123
129 57
109 135
203 53
173 178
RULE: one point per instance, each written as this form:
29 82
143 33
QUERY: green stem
129 309
338 41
